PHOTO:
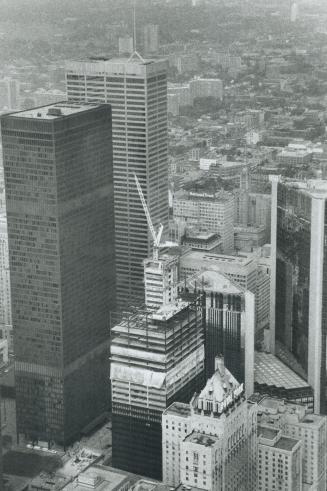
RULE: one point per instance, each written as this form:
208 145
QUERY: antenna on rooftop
134 26
135 53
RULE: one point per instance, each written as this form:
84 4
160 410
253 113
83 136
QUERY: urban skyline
163 184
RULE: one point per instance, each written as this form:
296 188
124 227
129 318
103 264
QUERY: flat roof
218 197
134 65
267 433
201 439
270 370
54 111
165 312
215 281
286 443
98 482
198 260
179 409
312 187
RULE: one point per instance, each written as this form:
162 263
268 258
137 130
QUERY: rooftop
286 443
99 478
147 485
194 235
220 391
273 409
134 65
201 439
270 370
313 187
179 409
207 260
267 433
214 281
218 197
54 111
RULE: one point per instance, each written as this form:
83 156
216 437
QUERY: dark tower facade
59 190
299 280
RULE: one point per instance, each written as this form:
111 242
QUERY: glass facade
59 191
293 271
223 333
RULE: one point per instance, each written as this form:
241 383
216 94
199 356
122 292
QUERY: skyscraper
59 191
229 313
299 279
137 91
157 357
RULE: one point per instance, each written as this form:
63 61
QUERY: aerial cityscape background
163 245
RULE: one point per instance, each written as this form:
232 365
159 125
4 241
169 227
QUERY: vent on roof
39 115
54 111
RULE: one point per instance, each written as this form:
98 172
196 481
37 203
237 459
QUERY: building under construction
157 357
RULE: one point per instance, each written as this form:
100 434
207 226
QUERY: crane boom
156 236
146 211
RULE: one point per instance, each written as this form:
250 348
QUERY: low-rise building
272 377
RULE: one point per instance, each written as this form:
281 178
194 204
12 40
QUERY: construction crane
155 236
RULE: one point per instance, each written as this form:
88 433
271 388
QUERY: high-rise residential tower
137 92
59 190
299 279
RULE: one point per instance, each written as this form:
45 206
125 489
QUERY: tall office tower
296 421
229 313
59 191
279 461
157 357
247 270
299 278
151 38
215 212
137 92
211 443
5 293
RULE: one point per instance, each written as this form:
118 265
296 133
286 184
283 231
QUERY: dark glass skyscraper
299 280
59 190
